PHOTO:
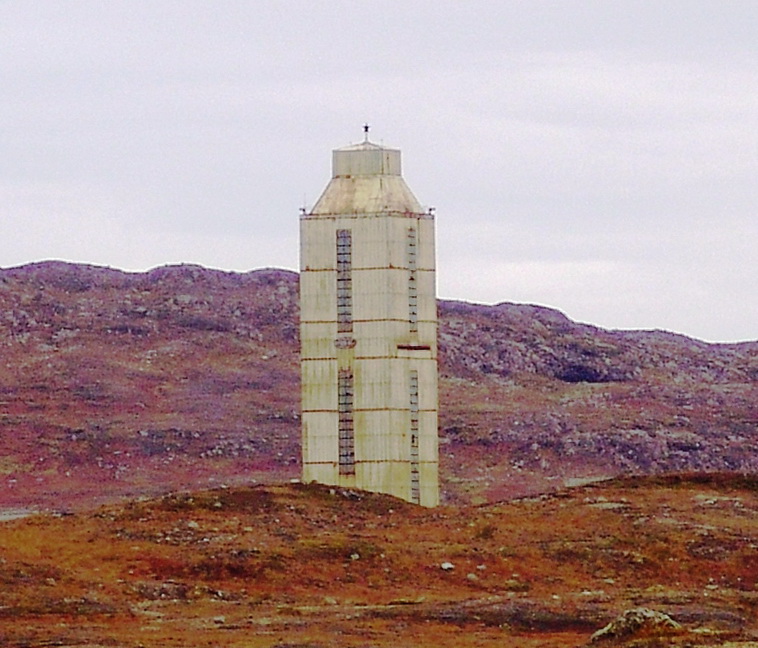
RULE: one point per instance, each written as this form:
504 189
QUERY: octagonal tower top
365 159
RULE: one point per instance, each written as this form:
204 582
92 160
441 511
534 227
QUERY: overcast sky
599 157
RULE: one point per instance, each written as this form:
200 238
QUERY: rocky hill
122 384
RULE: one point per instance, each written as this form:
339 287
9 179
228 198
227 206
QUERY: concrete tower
368 330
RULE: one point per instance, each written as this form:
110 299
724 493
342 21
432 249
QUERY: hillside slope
121 384
308 566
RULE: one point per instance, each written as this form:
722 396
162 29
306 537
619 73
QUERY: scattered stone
609 506
407 601
637 623
516 585
447 566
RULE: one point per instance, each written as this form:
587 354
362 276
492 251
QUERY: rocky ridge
120 384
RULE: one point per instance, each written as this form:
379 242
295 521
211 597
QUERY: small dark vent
414 347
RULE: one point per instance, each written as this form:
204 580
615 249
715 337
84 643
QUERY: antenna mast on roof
365 132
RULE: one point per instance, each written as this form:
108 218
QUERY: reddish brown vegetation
314 566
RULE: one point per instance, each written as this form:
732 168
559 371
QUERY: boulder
637 623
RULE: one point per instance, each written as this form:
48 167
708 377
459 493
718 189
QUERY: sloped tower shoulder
366 179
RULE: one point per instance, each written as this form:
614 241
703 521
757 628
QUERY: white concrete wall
381 324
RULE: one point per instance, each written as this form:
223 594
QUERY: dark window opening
344 281
346 426
414 407
411 253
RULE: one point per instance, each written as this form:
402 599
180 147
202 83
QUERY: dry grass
312 566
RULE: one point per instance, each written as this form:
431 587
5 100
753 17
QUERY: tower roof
365 145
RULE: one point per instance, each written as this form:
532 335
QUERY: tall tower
368 330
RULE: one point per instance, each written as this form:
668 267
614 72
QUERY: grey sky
597 157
